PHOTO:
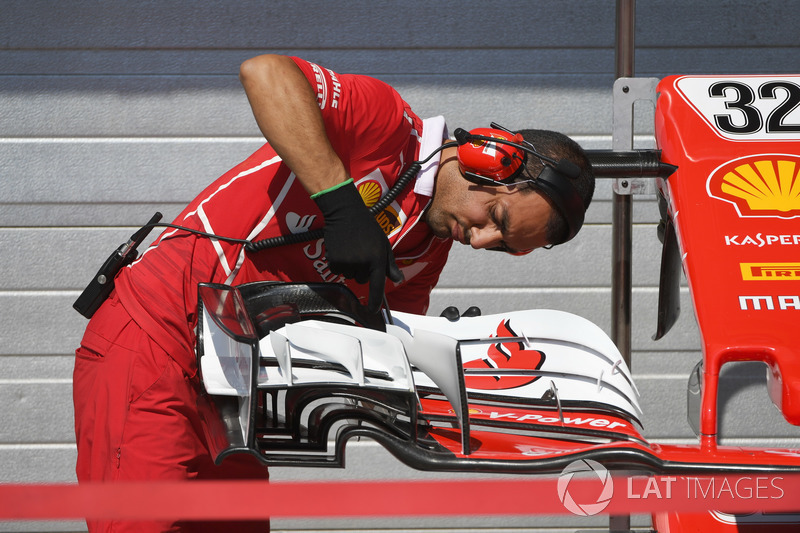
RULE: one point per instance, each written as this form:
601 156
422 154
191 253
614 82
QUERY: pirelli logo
770 271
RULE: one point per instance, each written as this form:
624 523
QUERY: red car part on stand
735 203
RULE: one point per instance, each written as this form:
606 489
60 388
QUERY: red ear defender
492 160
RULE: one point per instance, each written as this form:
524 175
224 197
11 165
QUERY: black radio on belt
103 282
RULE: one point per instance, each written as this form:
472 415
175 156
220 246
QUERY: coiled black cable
295 238
380 205
401 183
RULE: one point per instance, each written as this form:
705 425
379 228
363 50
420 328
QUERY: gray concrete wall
112 110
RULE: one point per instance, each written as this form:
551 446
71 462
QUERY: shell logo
388 219
370 192
471 411
763 185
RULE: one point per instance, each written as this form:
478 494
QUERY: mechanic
335 144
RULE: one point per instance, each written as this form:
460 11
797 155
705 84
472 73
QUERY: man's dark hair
558 146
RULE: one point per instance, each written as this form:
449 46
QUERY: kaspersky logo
759 186
770 271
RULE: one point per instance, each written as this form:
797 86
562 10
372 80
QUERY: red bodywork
735 201
736 205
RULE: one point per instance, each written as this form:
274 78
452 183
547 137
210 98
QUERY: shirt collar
434 132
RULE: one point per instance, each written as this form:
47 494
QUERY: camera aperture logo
581 502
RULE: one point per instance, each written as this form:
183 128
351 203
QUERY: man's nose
485 237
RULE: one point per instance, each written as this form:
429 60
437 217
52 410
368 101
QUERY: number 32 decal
746 108
742 100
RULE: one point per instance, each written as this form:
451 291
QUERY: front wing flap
293 373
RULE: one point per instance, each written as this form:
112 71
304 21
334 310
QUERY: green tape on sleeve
330 189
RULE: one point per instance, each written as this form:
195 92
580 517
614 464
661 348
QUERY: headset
497 156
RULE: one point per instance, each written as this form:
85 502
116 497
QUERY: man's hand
355 245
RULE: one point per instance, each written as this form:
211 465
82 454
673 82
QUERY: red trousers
138 416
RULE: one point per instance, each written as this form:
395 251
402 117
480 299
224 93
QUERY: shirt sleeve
365 118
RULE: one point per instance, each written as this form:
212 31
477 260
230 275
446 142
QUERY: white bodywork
581 364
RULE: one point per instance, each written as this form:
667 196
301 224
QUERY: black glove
355 244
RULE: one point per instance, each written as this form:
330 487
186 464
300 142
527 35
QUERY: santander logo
299 223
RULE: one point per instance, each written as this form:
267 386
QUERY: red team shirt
376 135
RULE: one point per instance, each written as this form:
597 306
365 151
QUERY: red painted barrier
587 492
